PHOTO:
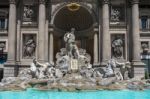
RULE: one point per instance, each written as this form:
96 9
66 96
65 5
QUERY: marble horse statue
111 70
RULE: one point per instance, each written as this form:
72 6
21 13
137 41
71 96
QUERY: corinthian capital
41 1
105 1
12 1
134 1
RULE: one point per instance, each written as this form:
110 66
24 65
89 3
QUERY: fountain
73 72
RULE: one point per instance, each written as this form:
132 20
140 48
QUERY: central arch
82 19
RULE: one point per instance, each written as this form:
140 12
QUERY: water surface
34 94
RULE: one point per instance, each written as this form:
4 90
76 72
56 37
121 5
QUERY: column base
138 68
104 63
96 64
10 62
11 68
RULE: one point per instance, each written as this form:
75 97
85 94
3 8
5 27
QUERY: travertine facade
105 28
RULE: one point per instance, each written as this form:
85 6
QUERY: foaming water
34 94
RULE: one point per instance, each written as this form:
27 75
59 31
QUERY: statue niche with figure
117 47
29 48
70 56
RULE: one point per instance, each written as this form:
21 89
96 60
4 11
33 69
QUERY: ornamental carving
115 15
28 13
73 6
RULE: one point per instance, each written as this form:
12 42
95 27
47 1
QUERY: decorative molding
28 13
12 1
105 1
73 6
115 14
41 1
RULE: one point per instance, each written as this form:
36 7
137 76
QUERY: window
2 23
3 18
3 56
144 22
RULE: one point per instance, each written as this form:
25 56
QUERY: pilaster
12 32
136 59
106 46
41 34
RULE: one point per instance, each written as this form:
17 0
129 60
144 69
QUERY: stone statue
45 70
71 53
71 47
29 48
28 13
115 15
145 47
39 70
63 63
117 47
125 69
31 72
111 70
33 68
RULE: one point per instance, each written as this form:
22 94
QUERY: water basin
35 94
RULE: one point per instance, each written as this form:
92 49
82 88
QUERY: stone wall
9 71
139 71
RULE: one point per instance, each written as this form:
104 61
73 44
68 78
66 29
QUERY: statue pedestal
138 68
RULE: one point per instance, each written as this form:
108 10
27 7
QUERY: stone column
51 47
135 30
18 40
106 46
41 35
138 65
46 40
95 48
12 32
9 66
16 68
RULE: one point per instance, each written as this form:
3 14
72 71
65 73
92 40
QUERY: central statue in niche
71 57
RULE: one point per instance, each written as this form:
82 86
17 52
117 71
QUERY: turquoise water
33 94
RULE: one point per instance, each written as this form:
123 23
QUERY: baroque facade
107 29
